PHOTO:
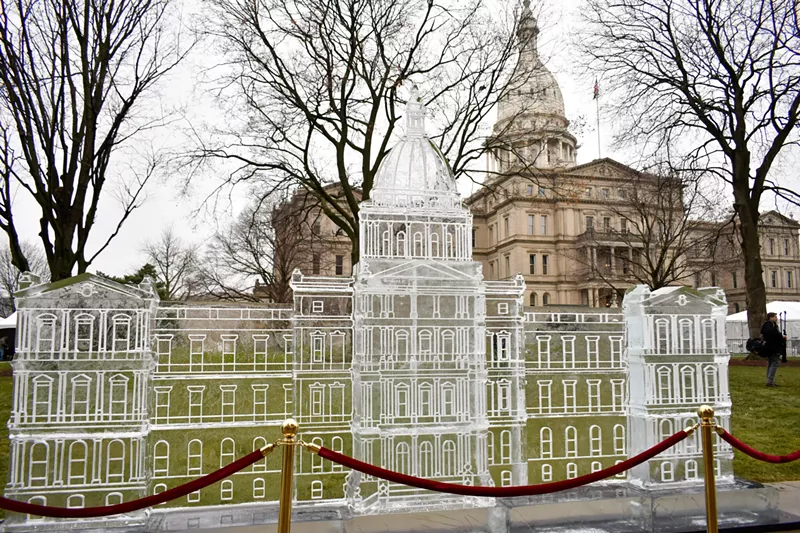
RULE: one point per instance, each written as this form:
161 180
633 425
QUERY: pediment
672 300
602 168
85 286
424 271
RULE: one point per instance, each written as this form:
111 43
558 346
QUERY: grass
767 419
5 411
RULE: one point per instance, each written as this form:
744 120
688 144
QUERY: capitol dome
415 172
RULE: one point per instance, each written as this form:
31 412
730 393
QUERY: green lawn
5 410
767 419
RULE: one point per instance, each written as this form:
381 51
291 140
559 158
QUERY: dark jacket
773 339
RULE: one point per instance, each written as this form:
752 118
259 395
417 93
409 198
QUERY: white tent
10 322
737 332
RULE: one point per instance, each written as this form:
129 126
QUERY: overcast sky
168 205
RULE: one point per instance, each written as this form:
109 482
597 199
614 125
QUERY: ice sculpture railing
288 442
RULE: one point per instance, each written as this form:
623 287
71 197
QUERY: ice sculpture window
572 470
709 339
504 397
317 399
570 405
401 400
665 428
595 441
316 490
403 458
685 335
79 406
621 475
162 404
118 397
228 403
619 439
691 469
616 350
42 398
667 471
316 460
121 332
260 466
260 346
568 349
84 333
158 489
226 490
617 394
337 445
401 344
196 352
434 245
228 349
448 343
113 498
426 460
449 458
546 443
259 488
505 446
45 335
196 403
710 383
448 400
503 346
593 351
115 461
317 347
596 466
425 342
76 473
688 384
401 243
76 501
161 458
664 384
547 473
571 441
193 497
543 345
227 451
594 394
38 464
544 396
425 395
36 500
194 458
260 401
490 447
662 336
505 478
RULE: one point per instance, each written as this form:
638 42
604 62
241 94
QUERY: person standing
773 344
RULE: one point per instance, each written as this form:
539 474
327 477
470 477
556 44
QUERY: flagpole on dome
597 107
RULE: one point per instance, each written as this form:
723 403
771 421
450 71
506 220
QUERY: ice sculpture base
613 507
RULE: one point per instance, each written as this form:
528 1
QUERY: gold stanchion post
289 429
706 414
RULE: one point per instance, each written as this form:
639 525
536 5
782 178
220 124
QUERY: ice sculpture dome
415 172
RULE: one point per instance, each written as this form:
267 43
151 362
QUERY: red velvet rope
755 454
502 492
133 505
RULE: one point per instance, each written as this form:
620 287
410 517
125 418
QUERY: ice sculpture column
419 365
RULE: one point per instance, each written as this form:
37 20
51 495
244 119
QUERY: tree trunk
354 251
756 293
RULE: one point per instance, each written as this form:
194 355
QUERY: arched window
685 332
505 478
260 466
662 335
316 490
259 488
595 440
448 344
386 249
38 464
425 345
619 439
402 457
79 406
571 441
572 470
665 428
76 472
76 501
667 471
688 389
710 383
401 344
45 335
337 445
401 243
434 245
419 245
161 458
42 398
36 500
84 333
227 451
490 447
664 384
426 459
505 446
118 397
546 298
596 466
533 299
449 467
691 469
113 498
547 473
709 338
226 490
316 460
735 310
545 443
115 462
194 458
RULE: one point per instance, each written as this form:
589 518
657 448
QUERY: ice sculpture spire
415 114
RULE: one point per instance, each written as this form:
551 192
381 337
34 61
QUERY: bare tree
175 263
653 233
254 257
10 274
73 74
322 81
722 79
